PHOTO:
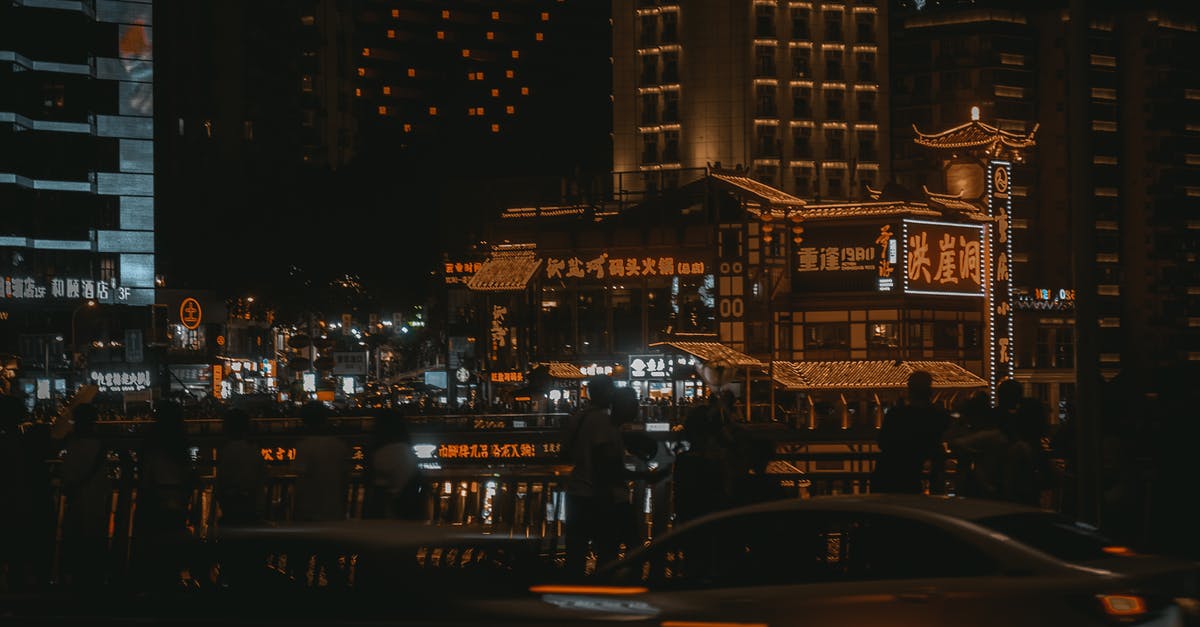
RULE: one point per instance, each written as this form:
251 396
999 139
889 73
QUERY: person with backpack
595 487
87 491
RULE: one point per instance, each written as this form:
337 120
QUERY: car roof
950 506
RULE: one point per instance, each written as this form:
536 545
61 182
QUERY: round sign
1000 178
190 313
462 374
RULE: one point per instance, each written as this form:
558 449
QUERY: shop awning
869 375
506 271
714 354
563 370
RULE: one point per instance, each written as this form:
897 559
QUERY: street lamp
88 305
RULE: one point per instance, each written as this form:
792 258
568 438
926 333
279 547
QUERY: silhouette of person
166 482
1025 463
393 478
702 476
241 480
87 489
594 486
24 487
911 435
755 485
322 468
981 450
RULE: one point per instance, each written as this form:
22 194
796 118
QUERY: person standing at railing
241 480
322 468
593 445
24 488
166 482
395 488
87 491
910 437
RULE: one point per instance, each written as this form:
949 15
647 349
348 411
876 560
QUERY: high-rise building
1141 144
76 161
788 90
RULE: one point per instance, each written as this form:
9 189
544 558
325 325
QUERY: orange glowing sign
190 313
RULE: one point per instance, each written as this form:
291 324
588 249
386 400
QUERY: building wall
77 133
789 90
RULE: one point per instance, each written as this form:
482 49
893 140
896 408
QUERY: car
876 560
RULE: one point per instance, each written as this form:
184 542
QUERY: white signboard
133 380
350 362
31 289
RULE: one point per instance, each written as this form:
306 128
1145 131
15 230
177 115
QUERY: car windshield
1052 534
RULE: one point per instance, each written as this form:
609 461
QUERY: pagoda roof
870 209
761 192
506 271
713 353
869 375
562 370
976 134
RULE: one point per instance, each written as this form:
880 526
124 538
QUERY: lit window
490 35
495 93
508 74
524 91
516 54
432 110
391 34
495 15
479 110
362 71
307 20
510 109
445 14
539 36
471 111
466 52
387 90
495 128
479 76
470 76
441 34
412 71
545 16
408 128
395 12
366 52
358 91
382 110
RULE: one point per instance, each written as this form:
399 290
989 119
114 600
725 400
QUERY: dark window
670 70
801 102
768 145
865 27
765 99
802 141
671 147
670 106
801 62
833 105
835 143
866 105
866 146
833 65
835 186
866 66
833 26
649 108
825 336
800 24
649 30
764 20
670 22
765 60
945 335
649 69
803 181
649 148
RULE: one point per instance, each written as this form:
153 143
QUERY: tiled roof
869 375
714 353
863 210
563 370
763 193
975 134
541 212
506 271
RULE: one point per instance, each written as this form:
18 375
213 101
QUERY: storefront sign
1046 299
497 450
943 258
278 454
218 380
459 272
350 362
31 289
506 377
123 380
1001 339
595 369
190 313
606 267
642 367
841 258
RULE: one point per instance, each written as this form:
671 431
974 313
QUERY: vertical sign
133 346
218 373
1000 292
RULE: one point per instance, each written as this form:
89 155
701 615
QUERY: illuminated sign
608 267
650 367
1001 339
350 362
459 271
190 313
1045 299
31 289
506 377
497 450
498 329
846 258
218 383
943 258
278 454
121 381
595 369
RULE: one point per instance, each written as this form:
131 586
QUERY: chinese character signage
608 268
1000 296
506 377
846 258
943 259
459 272
62 288
642 367
496 451
135 380
278 454
350 362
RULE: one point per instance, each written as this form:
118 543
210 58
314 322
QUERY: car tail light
1122 605
1123 551
599 590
